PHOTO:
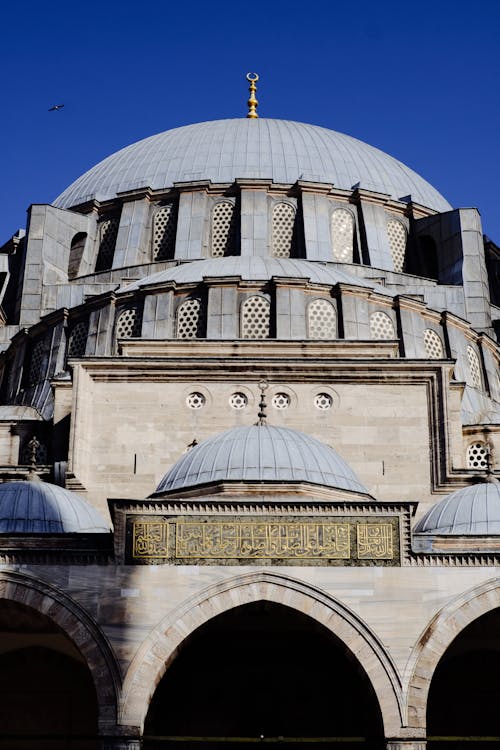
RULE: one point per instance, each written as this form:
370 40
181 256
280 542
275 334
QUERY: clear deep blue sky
418 80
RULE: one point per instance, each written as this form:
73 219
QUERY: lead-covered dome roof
35 507
261 453
225 150
468 512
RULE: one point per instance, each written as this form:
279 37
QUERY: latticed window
397 243
343 235
381 326
433 345
195 400
283 230
475 367
129 323
255 318
37 361
281 401
40 450
164 229
108 232
190 319
238 400
223 229
78 339
321 320
323 401
477 455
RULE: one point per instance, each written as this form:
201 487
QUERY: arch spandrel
162 644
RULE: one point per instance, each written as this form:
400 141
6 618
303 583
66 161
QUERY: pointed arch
162 644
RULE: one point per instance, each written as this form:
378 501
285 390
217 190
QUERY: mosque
250 408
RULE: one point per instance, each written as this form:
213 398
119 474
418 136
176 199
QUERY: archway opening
47 695
263 673
464 697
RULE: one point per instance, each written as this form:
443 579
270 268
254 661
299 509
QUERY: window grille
190 319
281 401
433 345
41 454
477 455
78 339
36 373
323 401
381 326
195 400
129 324
164 229
76 253
108 232
397 243
223 229
321 320
475 367
255 318
238 401
283 230
342 226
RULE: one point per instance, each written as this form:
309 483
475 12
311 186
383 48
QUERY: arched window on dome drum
76 253
283 230
381 326
255 318
78 339
108 232
129 323
477 455
342 229
474 367
397 243
433 345
190 322
223 230
321 320
164 231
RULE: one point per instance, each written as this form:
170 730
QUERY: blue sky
420 81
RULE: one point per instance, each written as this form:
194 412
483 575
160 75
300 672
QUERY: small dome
471 511
35 507
225 150
261 453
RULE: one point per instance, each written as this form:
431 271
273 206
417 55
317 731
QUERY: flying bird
55 106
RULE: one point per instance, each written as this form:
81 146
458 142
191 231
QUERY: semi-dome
35 507
261 453
224 150
468 512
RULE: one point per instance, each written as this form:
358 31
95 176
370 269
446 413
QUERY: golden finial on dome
252 101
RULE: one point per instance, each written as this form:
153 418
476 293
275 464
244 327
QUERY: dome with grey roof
468 512
261 453
224 150
35 507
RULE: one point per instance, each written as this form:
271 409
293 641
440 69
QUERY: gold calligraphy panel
254 540
150 540
375 541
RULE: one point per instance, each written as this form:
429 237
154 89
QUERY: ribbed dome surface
260 454
41 508
224 150
473 510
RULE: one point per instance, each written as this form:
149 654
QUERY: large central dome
224 150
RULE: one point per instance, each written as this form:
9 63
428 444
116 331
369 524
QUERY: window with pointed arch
381 326
164 231
342 232
283 230
129 323
255 318
321 320
108 234
190 319
223 229
396 231
434 348
474 367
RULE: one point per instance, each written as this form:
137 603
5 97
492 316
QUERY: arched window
477 455
78 339
76 253
190 319
397 243
108 232
38 360
223 229
381 326
321 320
255 318
283 230
433 345
342 228
164 230
475 367
129 323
